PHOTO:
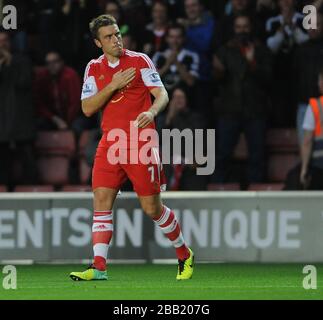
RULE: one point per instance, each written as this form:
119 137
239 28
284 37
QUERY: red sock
170 227
102 230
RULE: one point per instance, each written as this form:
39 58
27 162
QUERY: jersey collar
114 65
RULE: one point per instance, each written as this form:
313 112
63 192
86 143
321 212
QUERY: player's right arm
93 100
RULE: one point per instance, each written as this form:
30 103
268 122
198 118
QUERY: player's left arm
153 83
161 100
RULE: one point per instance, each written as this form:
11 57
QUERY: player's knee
100 196
153 210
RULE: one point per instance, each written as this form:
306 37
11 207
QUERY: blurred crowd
237 66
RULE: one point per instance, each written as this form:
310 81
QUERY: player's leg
147 180
166 220
106 181
102 227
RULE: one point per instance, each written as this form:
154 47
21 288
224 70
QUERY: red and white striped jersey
129 102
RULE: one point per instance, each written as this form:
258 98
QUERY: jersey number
151 168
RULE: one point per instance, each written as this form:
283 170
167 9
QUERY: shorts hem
147 194
105 186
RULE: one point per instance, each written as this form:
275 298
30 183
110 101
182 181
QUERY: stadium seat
84 171
76 188
279 166
58 143
282 141
3 188
25 188
241 149
265 187
223 187
53 170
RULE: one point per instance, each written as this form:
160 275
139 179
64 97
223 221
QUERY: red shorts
147 178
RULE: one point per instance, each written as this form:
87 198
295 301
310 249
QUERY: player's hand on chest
122 78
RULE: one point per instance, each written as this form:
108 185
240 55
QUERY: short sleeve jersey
126 104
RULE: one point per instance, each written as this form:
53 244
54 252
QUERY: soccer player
120 84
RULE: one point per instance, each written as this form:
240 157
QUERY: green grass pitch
210 281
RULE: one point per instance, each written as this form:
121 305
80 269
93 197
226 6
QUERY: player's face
110 40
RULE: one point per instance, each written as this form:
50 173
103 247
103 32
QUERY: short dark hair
101 21
56 52
176 26
243 16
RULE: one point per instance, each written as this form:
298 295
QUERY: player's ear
98 43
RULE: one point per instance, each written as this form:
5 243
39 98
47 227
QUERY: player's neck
112 59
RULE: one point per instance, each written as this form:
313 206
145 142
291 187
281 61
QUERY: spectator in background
57 94
312 146
46 13
200 26
243 66
19 36
129 42
17 130
135 15
309 174
175 7
285 32
113 8
72 22
157 29
266 5
225 30
180 116
177 65
308 60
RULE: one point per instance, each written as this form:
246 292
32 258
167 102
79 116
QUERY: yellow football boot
186 267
